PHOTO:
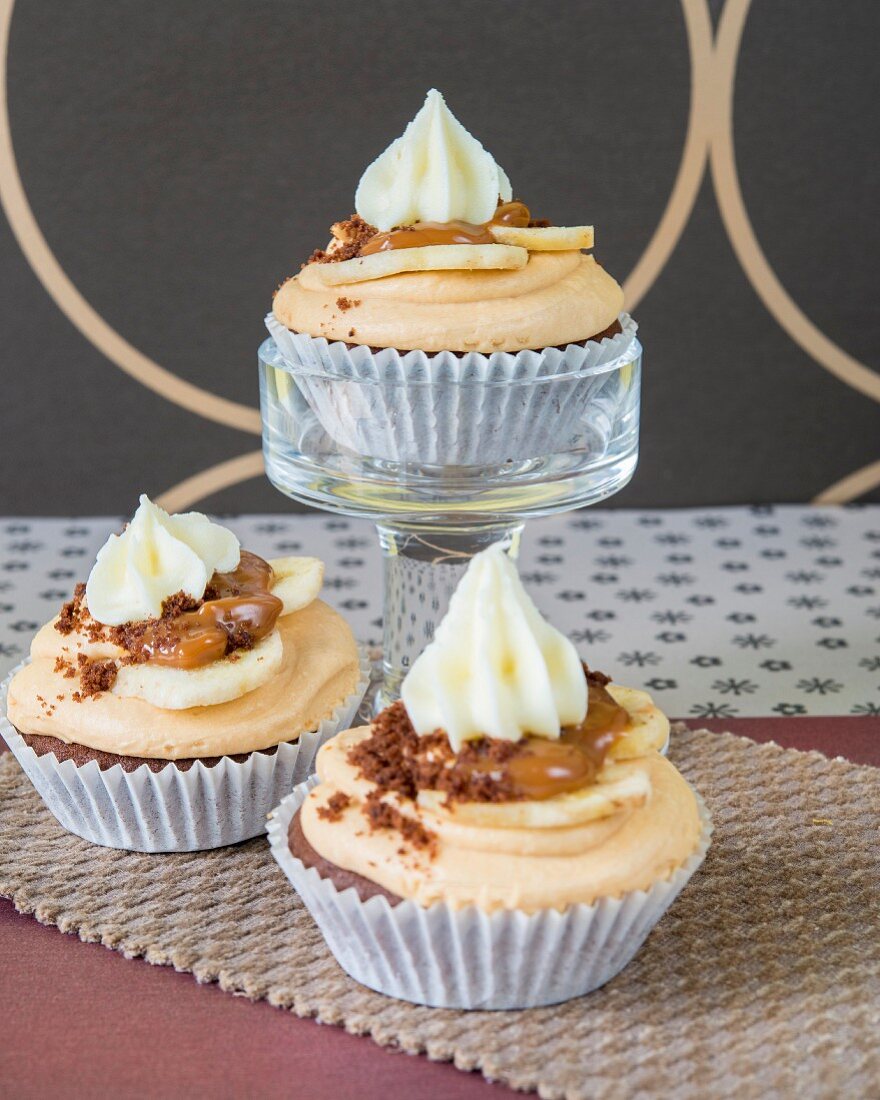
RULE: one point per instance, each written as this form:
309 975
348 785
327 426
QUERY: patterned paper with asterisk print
732 612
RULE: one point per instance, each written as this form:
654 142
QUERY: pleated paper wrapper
467 958
446 409
173 810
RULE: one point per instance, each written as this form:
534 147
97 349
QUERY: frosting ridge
557 298
436 171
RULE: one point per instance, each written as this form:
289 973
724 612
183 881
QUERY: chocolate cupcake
506 835
182 690
468 332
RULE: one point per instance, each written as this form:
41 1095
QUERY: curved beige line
852 486
693 162
739 228
78 311
212 480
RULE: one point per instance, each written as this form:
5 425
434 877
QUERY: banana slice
618 789
553 238
649 726
297 581
432 257
179 688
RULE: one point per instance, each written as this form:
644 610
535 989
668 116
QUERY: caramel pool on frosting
421 234
239 609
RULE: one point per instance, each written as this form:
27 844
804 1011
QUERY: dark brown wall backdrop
180 158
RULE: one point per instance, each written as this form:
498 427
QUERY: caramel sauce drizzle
429 233
239 611
545 769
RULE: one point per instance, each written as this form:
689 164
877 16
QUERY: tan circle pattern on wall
709 137
751 257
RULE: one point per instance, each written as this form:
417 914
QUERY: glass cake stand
444 468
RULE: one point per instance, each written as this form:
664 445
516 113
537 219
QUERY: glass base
445 466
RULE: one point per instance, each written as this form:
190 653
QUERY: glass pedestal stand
444 469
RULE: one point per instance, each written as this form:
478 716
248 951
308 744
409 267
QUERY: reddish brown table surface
80 1020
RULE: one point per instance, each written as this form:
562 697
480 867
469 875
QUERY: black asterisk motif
713 710
753 641
732 686
807 603
639 658
870 709
588 636
819 686
872 664
636 595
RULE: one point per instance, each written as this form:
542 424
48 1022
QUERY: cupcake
467 331
183 690
508 833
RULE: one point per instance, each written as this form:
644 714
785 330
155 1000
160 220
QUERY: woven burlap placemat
763 980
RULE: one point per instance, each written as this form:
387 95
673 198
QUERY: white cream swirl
496 667
436 171
156 556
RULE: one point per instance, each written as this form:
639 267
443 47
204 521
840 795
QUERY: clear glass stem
422 566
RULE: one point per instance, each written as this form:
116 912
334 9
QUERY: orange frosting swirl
558 298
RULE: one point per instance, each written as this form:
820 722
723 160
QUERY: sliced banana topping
179 688
433 257
649 726
553 238
619 787
296 581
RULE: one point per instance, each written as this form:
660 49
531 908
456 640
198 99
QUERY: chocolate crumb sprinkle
336 804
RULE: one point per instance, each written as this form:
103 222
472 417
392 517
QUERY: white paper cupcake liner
173 810
443 409
467 958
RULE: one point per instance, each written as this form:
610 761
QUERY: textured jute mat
763 980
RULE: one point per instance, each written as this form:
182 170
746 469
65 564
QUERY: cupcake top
181 645
509 775
439 256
